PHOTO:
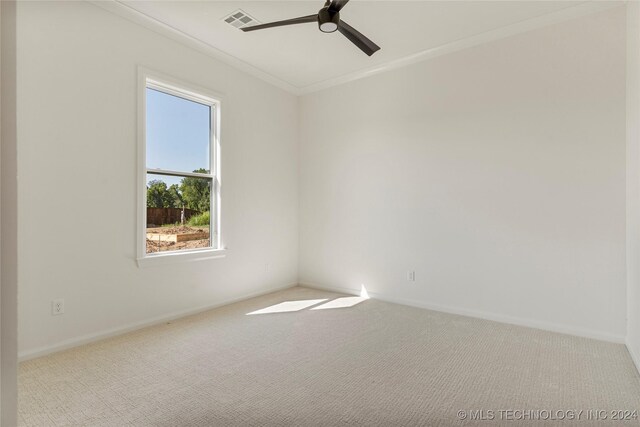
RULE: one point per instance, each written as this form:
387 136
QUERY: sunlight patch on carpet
288 306
344 302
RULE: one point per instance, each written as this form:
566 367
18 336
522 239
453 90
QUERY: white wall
77 66
633 180
497 173
8 218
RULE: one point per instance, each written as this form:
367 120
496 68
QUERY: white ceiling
302 56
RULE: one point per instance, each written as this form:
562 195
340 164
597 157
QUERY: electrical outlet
57 306
267 268
411 276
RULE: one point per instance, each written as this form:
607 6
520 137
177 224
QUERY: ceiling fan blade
301 20
357 38
336 5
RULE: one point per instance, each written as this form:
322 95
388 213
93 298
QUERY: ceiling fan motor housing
327 20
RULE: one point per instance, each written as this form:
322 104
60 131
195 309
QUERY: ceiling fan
328 19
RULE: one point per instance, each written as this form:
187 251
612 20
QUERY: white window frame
157 81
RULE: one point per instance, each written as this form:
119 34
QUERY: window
179 155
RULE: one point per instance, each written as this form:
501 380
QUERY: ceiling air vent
240 19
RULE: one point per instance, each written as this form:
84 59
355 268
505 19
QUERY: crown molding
582 9
569 13
164 29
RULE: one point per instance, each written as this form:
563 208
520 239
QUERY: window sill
179 257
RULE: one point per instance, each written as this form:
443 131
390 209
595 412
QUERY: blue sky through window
178 132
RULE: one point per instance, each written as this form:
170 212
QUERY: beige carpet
373 363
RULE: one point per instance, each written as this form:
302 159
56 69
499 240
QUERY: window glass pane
178 133
178 216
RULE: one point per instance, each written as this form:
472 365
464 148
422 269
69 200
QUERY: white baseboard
85 339
530 323
634 356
